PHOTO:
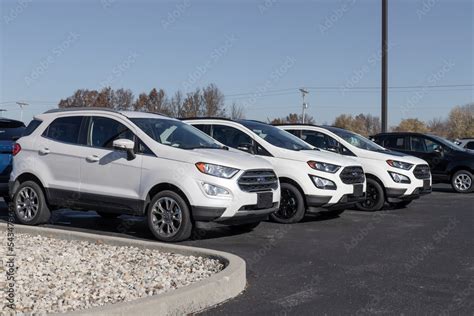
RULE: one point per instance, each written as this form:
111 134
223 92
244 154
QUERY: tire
246 227
173 213
462 181
29 204
292 206
400 204
108 215
375 197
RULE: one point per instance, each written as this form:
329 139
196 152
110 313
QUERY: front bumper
323 201
397 195
246 214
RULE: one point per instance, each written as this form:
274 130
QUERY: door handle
92 158
44 151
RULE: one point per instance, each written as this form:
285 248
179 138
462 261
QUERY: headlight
214 190
322 166
399 164
216 170
322 183
399 178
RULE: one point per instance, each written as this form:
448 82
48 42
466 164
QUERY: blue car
10 131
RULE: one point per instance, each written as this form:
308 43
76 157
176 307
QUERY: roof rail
72 109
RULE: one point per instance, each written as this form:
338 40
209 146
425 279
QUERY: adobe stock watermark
433 79
427 248
332 19
460 299
363 232
119 70
9 262
275 76
175 14
306 293
266 5
16 11
107 4
358 74
51 58
216 54
426 8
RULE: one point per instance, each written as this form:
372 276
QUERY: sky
259 53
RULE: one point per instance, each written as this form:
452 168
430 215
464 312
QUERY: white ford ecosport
391 176
141 164
311 180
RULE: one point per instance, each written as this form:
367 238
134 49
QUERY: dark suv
449 163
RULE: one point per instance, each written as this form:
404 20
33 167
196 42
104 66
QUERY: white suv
310 179
141 164
391 176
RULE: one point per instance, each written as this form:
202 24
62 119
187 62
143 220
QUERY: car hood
393 155
318 155
229 158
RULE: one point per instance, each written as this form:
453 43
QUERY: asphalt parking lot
416 260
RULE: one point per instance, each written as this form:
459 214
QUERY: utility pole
21 105
304 92
384 63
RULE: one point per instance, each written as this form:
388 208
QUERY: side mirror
126 145
246 147
439 150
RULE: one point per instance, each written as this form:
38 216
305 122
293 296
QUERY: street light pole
384 63
305 106
21 105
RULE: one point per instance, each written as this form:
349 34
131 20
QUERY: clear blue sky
51 48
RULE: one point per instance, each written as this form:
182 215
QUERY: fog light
399 178
322 183
214 190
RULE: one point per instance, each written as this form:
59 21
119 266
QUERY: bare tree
123 99
213 101
192 104
176 104
237 112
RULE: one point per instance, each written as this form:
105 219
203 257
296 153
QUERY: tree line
205 102
209 102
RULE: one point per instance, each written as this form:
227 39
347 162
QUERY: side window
65 129
395 142
103 131
431 146
206 128
417 144
262 151
230 136
31 127
469 145
295 132
319 140
141 148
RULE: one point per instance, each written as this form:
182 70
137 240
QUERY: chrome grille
352 175
258 180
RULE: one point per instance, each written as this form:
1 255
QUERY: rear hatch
10 130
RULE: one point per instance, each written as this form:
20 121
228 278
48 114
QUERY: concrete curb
193 298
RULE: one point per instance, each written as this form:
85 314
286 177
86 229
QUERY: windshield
276 136
448 143
175 133
356 140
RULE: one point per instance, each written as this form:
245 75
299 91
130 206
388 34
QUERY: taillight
16 149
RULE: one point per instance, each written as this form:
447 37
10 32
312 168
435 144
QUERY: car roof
4 120
91 110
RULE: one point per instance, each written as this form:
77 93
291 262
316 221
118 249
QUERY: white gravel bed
55 275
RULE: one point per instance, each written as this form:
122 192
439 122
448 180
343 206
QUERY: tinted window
31 127
395 142
295 132
423 145
65 129
319 140
230 136
11 129
469 145
103 131
204 128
